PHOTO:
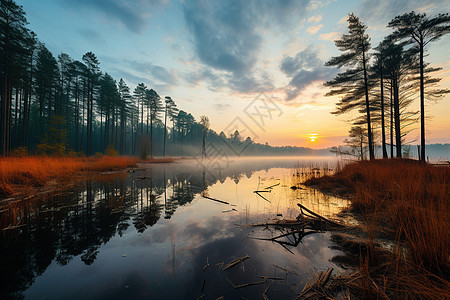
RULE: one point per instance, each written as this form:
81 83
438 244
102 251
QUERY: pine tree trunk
369 127
151 136
422 107
398 137
383 132
165 132
392 124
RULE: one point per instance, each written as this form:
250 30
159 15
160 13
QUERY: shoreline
403 203
25 177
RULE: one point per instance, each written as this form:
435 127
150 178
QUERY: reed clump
403 200
35 171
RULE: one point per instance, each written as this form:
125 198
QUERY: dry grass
35 171
408 202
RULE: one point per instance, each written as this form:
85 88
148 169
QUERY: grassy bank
30 172
408 203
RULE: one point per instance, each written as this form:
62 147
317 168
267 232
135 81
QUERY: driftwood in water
269 187
246 284
220 201
257 193
206 266
319 216
235 262
262 191
287 270
266 290
319 283
293 231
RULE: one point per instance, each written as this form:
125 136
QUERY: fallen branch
257 193
272 278
269 187
319 216
245 284
235 262
266 290
287 270
220 201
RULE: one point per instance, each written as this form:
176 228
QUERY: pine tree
155 106
353 84
421 30
169 111
92 76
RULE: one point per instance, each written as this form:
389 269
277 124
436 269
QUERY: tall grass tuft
406 199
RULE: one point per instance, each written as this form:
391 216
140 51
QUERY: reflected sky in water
150 233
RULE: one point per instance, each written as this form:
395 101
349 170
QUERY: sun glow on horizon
313 137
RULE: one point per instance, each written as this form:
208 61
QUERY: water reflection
150 234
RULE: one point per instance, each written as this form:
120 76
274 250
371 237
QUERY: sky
255 65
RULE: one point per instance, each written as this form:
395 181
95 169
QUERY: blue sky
214 57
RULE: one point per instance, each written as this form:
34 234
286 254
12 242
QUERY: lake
156 233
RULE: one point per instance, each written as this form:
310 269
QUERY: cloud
219 80
330 36
158 73
222 107
132 71
304 69
133 15
227 36
385 10
315 19
314 29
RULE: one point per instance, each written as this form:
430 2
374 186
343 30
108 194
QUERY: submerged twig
206 266
220 201
269 187
319 216
245 284
235 262
266 290
257 193
287 270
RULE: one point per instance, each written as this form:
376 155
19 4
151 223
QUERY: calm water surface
151 234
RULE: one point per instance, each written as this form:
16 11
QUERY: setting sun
313 137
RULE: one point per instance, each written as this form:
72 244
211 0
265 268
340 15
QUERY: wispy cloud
222 107
330 36
133 15
383 11
314 29
304 69
315 19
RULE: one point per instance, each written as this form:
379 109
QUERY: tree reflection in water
78 222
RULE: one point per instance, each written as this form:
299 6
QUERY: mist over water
151 233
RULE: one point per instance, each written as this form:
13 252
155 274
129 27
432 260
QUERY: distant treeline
381 85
